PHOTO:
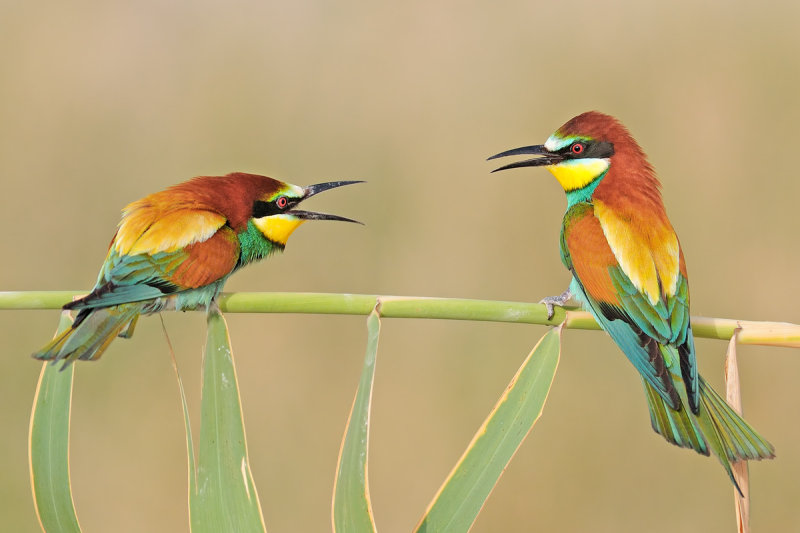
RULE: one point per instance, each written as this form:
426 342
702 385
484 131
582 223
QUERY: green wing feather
633 322
133 278
130 285
657 339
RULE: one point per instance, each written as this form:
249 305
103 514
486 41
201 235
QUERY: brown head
594 156
194 210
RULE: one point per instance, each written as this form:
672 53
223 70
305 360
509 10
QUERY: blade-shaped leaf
48 446
458 502
225 498
186 422
352 510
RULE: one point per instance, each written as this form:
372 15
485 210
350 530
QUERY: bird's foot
559 300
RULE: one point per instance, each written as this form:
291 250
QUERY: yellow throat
576 174
277 228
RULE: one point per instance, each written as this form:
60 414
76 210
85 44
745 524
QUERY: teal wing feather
667 322
657 338
638 347
634 323
134 284
133 278
195 273
641 331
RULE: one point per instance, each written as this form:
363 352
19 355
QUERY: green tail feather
716 428
90 335
675 426
738 440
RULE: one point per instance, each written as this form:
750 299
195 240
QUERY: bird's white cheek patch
277 228
575 174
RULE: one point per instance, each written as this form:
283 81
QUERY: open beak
548 157
312 190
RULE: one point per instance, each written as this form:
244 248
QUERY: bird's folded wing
129 278
626 312
149 229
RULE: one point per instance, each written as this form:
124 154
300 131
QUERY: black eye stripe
265 209
591 149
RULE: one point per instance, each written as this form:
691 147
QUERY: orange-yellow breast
591 257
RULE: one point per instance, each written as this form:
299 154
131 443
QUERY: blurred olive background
102 102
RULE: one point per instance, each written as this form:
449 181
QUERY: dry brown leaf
733 394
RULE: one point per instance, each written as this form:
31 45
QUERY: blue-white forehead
556 142
293 191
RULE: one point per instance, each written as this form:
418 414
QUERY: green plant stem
765 333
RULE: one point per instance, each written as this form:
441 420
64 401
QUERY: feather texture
629 272
173 249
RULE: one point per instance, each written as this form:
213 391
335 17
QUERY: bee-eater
175 249
628 271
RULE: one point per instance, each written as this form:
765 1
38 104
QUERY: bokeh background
102 102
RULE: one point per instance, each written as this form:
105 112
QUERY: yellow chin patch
277 228
578 173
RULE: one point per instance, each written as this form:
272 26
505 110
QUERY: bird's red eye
577 148
282 202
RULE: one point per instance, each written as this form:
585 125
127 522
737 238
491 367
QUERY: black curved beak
312 190
548 157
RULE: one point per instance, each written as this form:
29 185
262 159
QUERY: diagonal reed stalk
751 332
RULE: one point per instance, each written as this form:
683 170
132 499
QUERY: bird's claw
551 301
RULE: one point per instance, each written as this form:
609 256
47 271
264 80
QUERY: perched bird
628 271
175 249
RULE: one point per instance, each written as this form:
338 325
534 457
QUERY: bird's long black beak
312 190
548 157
